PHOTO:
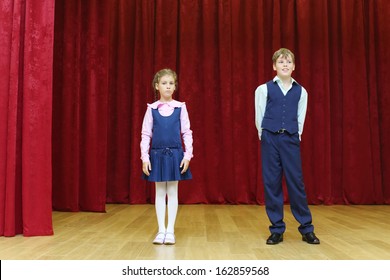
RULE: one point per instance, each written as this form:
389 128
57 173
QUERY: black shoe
275 238
310 238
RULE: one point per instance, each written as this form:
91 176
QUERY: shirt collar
278 80
172 104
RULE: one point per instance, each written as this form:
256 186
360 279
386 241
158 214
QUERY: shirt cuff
145 159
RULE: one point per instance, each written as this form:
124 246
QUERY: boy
280 107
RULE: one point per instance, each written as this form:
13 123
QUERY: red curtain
27 33
106 53
80 105
72 102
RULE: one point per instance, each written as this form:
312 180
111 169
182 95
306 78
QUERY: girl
165 125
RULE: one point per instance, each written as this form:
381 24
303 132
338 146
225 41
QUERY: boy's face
284 66
166 87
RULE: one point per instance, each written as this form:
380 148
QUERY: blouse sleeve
146 135
186 133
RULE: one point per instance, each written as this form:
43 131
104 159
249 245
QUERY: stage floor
207 232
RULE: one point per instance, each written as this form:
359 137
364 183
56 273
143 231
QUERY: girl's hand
146 167
185 163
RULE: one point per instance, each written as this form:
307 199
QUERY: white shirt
261 94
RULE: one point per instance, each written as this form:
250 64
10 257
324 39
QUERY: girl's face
166 87
284 66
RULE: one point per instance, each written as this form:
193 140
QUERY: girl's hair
157 77
284 53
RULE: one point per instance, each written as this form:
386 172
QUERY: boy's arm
260 104
302 108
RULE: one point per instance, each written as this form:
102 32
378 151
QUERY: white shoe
169 238
159 239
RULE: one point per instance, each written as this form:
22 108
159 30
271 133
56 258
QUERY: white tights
164 189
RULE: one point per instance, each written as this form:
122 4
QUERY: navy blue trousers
281 155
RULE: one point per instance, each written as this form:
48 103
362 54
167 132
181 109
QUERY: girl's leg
172 191
160 204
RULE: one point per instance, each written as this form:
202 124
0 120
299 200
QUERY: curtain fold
27 30
80 106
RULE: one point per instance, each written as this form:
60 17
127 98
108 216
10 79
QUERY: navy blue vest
281 111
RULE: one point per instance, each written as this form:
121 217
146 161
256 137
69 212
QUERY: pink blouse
166 109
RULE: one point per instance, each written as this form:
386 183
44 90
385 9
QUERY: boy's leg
292 166
272 177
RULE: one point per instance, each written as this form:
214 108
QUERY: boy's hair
284 53
161 73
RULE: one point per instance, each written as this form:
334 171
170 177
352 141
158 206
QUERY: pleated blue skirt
166 165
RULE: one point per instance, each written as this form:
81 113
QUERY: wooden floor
207 232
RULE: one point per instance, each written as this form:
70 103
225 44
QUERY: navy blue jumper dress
166 151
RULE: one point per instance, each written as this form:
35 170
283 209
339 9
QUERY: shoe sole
159 241
274 243
314 243
170 241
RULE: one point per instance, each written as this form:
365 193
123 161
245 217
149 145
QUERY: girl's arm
146 135
186 133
